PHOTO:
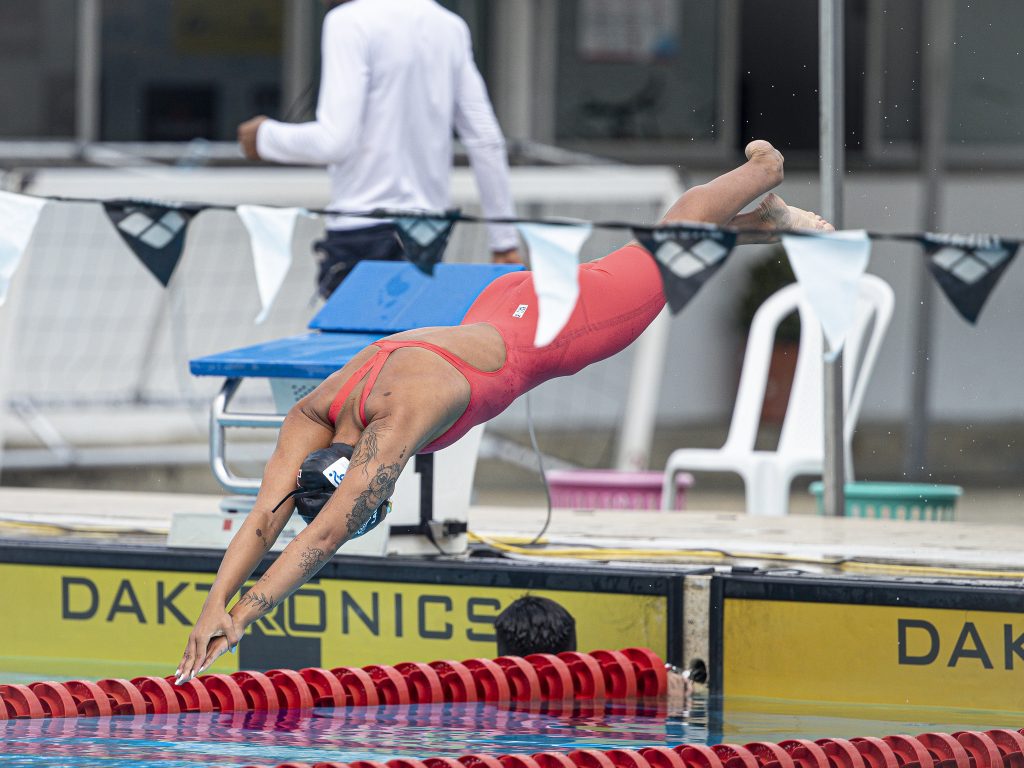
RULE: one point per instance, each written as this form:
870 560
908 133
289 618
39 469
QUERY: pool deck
719 538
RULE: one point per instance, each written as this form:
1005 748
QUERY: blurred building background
682 83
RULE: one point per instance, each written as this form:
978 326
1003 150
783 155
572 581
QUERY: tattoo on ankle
259 533
311 560
382 485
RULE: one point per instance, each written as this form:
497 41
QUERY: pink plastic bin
610 489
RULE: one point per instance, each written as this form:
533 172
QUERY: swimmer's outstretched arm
301 433
378 458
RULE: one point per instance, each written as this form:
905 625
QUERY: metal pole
936 65
297 62
831 125
87 82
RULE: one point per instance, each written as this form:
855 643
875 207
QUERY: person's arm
344 78
378 458
300 434
478 129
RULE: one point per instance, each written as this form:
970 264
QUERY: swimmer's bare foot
764 154
773 214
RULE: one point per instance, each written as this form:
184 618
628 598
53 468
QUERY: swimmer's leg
718 201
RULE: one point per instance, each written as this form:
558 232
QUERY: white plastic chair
767 475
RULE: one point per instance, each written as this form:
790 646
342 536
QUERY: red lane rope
999 748
563 677
559 679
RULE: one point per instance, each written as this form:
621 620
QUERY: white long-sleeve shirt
397 76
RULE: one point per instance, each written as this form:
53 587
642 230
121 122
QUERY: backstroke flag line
829 267
967 267
270 235
18 217
424 239
687 256
554 259
155 233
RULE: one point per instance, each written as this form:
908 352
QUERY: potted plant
764 278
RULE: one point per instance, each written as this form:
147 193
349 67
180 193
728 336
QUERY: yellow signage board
898 654
111 622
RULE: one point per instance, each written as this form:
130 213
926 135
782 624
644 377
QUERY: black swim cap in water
319 476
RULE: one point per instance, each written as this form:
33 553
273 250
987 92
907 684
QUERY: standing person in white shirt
397 76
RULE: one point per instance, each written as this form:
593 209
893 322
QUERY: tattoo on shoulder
381 486
311 560
261 602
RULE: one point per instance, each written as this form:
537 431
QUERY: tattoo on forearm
382 485
259 601
259 533
310 561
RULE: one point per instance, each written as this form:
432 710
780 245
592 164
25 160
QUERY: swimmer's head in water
319 475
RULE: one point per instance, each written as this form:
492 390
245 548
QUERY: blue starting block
377 299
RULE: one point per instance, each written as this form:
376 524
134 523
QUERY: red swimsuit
620 295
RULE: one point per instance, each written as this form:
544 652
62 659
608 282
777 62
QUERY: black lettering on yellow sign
1012 645
348 603
165 603
919 644
421 612
306 612
976 651
482 603
125 601
70 584
317 625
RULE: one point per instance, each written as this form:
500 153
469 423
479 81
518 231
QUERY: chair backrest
803 427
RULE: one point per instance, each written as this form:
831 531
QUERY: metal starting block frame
431 499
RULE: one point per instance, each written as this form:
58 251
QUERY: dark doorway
779 73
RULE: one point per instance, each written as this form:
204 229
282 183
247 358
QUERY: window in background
176 70
640 80
986 91
37 65
987 97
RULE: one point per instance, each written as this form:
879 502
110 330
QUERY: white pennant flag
270 235
554 260
18 217
829 267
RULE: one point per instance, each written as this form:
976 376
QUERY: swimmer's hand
214 633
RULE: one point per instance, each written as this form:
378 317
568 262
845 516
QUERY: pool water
447 730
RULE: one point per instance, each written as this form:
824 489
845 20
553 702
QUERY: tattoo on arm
310 561
365 450
259 601
262 537
381 486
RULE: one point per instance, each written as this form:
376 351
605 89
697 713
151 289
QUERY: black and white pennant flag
425 238
688 255
967 267
155 233
18 217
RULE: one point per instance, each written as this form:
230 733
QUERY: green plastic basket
896 501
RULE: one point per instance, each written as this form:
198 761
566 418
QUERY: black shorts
339 252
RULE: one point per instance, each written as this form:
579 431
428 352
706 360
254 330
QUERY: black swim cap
319 476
